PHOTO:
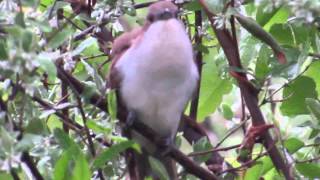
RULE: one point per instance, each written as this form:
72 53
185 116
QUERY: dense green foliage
38 36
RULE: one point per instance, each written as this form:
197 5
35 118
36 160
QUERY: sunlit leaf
202 145
112 104
293 145
59 38
309 170
314 108
81 170
61 167
47 64
227 111
112 152
212 87
295 94
3 50
159 168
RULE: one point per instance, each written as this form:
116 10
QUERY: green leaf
262 167
3 50
47 64
62 166
112 152
314 108
28 142
293 145
215 6
44 26
193 6
32 3
309 170
295 93
27 37
248 50
81 170
66 142
83 45
227 111
112 104
36 126
158 168
313 72
60 37
202 145
255 172
97 127
96 77
19 20
5 176
263 64
6 140
282 33
53 122
268 19
212 87
301 34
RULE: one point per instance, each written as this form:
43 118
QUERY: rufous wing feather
120 45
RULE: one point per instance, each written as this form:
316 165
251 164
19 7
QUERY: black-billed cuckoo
154 69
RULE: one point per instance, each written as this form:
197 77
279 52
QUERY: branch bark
250 95
25 157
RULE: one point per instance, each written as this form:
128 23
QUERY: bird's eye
150 18
176 14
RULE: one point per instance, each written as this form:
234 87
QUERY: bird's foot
165 146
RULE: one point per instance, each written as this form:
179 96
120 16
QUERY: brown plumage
120 45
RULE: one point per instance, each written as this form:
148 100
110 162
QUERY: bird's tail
144 167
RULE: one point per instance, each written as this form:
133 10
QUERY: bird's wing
120 45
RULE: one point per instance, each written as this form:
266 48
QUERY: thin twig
52 8
231 132
200 153
71 22
314 55
95 56
245 165
308 160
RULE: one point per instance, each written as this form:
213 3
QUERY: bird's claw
165 146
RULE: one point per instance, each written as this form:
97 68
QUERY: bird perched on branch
154 71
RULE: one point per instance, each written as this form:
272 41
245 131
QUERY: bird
154 72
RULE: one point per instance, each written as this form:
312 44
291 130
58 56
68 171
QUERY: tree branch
198 42
25 157
250 95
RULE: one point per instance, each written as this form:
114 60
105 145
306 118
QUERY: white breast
159 76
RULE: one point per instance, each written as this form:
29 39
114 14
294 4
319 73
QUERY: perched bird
154 71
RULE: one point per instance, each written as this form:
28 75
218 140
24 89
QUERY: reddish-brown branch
232 53
213 150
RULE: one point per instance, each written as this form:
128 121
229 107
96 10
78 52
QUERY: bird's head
162 10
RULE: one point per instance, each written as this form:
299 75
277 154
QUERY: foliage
66 135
